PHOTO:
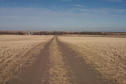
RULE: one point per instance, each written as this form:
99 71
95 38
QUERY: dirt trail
65 66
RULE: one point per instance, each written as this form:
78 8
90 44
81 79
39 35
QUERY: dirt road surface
58 64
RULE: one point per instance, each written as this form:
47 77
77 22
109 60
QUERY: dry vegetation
106 54
12 53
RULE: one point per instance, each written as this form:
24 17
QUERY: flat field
66 59
106 54
13 49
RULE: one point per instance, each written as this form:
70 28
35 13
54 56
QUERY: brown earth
78 70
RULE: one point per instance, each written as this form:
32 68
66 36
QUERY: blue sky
66 15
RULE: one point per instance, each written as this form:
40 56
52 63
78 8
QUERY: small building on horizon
30 33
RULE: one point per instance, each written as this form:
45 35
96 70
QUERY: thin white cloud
66 0
113 0
78 5
73 11
99 11
70 18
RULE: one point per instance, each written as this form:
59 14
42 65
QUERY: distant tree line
58 33
12 33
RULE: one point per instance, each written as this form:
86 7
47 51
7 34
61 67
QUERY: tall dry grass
106 54
12 53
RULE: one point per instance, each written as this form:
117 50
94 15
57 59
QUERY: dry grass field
66 59
106 54
12 53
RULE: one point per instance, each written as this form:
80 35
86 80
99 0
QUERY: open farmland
106 54
13 53
66 59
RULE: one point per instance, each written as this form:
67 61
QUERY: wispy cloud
113 0
104 11
78 5
71 18
70 11
66 0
